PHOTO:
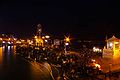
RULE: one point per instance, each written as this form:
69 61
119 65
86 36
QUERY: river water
15 67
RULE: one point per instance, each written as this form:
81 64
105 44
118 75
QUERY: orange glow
18 42
43 37
15 39
93 60
35 37
22 40
67 39
0 38
9 38
1 55
97 66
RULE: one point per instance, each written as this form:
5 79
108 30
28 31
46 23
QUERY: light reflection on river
14 67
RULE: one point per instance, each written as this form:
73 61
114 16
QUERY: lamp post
66 43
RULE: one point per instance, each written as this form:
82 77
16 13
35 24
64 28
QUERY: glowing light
67 39
30 43
15 39
64 62
8 48
46 40
0 38
22 40
98 66
116 42
9 39
111 44
96 49
100 50
18 42
66 44
43 37
47 36
93 60
35 37
1 55
3 47
3 42
9 42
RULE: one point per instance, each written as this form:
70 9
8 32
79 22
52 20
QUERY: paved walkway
109 64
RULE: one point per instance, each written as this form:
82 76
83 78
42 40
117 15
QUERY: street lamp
67 39
66 43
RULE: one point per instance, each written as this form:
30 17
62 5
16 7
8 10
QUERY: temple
112 48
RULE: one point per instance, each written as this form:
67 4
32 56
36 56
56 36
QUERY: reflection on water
1 54
15 67
7 53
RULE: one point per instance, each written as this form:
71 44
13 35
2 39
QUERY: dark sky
83 18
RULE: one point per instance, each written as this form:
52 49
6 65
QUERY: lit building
7 39
112 49
38 38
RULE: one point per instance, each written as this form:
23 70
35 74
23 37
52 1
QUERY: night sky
85 19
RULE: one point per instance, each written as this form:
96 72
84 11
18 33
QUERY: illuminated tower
39 41
39 30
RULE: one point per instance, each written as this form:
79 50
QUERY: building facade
112 48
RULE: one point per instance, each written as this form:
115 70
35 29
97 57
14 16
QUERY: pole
65 48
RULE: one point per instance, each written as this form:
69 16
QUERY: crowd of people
70 66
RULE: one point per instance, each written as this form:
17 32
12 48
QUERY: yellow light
41 41
36 40
43 37
47 36
0 38
9 38
116 42
67 39
98 66
22 40
35 37
18 42
93 60
30 43
15 39
111 44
